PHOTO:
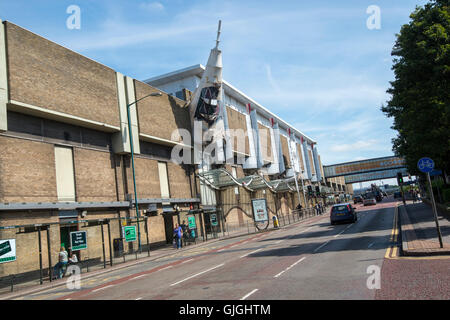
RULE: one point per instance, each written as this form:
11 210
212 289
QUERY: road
307 260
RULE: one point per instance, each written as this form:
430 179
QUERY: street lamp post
154 94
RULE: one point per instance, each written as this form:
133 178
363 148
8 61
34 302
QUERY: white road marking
137 277
248 294
340 233
186 261
168 267
280 241
292 265
102 288
322 245
139 298
221 250
250 253
197 274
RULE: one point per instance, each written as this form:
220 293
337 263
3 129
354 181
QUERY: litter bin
118 247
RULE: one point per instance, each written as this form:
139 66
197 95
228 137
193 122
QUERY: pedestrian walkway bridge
367 170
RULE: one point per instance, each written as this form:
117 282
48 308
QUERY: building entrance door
168 226
65 231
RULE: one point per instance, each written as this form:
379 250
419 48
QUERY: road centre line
102 288
168 267
292 265
197 274
137 277
337 235
186 261
248 294
322 245
250 253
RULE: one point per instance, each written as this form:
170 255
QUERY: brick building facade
65 156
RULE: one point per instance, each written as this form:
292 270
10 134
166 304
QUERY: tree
420 93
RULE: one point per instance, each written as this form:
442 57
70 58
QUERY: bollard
12 282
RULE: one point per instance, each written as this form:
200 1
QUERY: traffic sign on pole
426 165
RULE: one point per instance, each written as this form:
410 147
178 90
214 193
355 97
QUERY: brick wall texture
45 74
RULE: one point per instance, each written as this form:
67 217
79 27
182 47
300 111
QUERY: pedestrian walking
63 259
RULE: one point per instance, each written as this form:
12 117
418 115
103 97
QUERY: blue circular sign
425 165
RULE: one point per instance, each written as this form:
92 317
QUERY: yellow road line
393 251
394 234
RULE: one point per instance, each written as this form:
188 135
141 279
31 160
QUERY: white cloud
356 146
152 6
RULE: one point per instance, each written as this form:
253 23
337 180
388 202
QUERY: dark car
357 199
397 195
342 212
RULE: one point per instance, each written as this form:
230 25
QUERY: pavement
156 254
418 230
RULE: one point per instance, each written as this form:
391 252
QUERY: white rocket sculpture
207 107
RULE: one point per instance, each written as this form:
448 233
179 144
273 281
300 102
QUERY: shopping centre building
66 164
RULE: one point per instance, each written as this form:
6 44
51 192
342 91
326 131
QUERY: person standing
185 234
178 233
63 258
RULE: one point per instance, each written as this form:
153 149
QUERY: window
179 95
163 180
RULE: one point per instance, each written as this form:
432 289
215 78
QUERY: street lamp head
156 94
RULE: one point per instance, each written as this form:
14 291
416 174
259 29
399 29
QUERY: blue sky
313 63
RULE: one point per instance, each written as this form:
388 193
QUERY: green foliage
446 195
420 93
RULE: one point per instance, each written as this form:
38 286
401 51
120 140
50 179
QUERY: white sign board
260 213
7 250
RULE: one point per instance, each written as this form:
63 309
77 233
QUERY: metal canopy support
220 178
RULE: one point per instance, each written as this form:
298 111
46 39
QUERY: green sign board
78 240
191 222
213 219
7 250
129 233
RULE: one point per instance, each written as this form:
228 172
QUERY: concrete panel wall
45 74
3 80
